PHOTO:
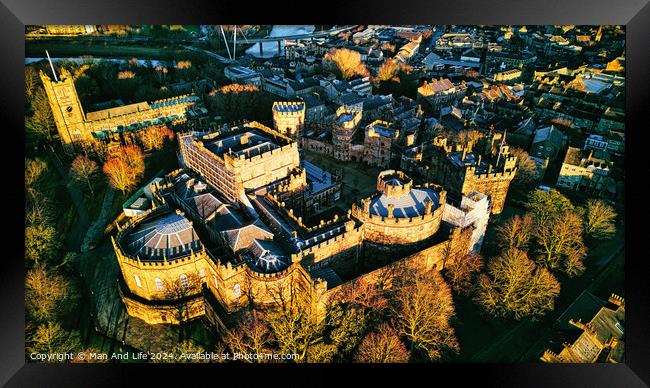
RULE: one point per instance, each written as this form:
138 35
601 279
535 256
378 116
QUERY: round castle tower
289 118
400 213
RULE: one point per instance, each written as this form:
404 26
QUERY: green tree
41 122
515 286
346 329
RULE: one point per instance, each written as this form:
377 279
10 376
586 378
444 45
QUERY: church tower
66 108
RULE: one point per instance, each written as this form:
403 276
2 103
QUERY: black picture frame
634 14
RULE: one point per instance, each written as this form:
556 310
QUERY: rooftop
249 142
168 235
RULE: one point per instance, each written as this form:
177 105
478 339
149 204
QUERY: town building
508 75
378 140
242 75
246 157
210 258
441 92
601 340
587 171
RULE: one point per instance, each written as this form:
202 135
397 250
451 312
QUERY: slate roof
170 235
406 206
243 237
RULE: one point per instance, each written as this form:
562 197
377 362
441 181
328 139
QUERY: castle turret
289 118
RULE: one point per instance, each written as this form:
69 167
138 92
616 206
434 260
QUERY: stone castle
226 232
76 127
484 165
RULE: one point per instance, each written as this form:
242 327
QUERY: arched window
159 284
184 280
237 290
202 273
137 280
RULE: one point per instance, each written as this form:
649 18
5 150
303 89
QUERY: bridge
315 34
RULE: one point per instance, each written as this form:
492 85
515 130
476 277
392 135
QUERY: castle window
184 280
137 280
202 273
216 284
237 290
159 284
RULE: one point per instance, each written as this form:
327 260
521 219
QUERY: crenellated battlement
366 216
288 108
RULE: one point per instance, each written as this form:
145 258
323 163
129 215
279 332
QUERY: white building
474 210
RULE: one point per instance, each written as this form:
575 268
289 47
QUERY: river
271 48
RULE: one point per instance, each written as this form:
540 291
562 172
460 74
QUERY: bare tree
421 311
559 242
516 232
382 346
461 273
84 169
180 291
599 219
515 286
125 169
251 336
